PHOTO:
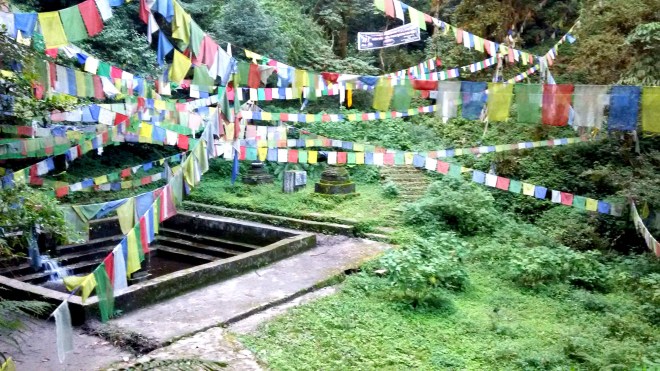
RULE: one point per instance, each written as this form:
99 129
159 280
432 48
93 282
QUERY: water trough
191 251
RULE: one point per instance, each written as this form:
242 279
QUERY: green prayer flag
455 170
579 202
104 293
350 158
302 157
402 97
201 77
528 101
380 5
243 73
196 37
73 24
104 69
515 186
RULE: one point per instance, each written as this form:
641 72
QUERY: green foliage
451 203
391 190
23 207
649 290
420 272
645 39
572 227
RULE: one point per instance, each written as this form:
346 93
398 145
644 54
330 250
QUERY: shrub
390 190
420 272
572 228
541 266
649 293
453 203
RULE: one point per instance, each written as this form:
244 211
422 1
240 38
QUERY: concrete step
377 237
194 257
75 269
99 242
195 247
408 180
209 241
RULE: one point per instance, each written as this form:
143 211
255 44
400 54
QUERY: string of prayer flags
556 104
641 228
624 108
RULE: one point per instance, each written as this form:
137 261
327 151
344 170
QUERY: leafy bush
364 174
455 204
420 272
649 292
572 227
541 266
390 190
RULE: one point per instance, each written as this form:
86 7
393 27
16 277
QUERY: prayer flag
624 108
180 66
528 101
473 99
589 102
91 18
499 101
651 109
556 104
74 27
104 293
51 27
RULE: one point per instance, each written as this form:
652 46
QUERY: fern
12 317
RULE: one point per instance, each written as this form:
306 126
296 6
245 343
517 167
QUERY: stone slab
249 293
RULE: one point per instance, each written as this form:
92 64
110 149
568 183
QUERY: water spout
51 266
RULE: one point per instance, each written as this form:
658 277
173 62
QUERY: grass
494 326
370 206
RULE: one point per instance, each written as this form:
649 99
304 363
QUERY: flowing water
56 272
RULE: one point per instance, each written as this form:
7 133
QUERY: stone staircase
411 182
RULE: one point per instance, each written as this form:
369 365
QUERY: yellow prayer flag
358 147
181 24
146 130
126 215
408 158
180 66
528 189
312 157
309 143
458 151
133 256
651 109
262 152
266 116
160 105
592 205
86 283
359 158
51 28
101 180
309 118
126 185
499 101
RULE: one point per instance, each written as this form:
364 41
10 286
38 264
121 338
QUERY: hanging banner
405 34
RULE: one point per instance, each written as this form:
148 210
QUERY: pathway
191 325
410 181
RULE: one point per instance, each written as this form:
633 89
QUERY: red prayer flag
503 183
53 74
330 77
556 104
115 72
443 167
144 238
428 18
49 150
62 191
182 142
293 156
242 153
109 263
389 8
125 173
119 118
341 157
98 87
91 17
144 11
254 77
269 94
459 36
145 180
52 52
388 158
566 198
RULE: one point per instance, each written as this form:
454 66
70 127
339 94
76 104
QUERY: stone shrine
257 174
335 181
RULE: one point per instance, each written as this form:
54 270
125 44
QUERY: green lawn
495 326
370 206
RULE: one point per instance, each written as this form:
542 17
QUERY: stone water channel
191 250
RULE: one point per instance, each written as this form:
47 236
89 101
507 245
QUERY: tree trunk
341 47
